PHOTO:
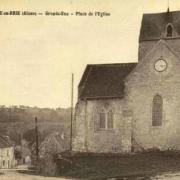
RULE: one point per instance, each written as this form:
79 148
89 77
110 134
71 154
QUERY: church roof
104 80
153 25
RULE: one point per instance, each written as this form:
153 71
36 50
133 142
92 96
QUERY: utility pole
37 143
72 96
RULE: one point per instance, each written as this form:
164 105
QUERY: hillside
17 121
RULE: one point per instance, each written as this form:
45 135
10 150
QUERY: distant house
23 153
26 153
7 159
53 144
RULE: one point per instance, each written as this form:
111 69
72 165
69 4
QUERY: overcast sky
39 53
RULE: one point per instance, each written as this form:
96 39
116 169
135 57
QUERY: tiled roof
153 25
104 80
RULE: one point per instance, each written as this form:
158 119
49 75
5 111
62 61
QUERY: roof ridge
112 64
164 12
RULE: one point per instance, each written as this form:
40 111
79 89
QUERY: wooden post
72 96
37 143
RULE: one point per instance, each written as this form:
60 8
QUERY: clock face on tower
160 65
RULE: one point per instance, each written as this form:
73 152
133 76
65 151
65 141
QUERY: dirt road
15 175
167 176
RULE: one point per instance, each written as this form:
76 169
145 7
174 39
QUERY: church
134 107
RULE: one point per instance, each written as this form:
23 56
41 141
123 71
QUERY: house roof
104 80
153 25
4 142
52 142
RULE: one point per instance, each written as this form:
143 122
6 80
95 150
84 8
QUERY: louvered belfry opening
157 110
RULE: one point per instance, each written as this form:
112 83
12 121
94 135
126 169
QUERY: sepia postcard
90 89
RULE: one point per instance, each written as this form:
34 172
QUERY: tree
29 136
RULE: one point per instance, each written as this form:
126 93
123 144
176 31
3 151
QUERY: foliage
18 122
30 136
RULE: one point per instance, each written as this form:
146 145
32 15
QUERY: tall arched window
157 111
106 119
110 119
169 30
102 119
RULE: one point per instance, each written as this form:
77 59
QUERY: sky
38 54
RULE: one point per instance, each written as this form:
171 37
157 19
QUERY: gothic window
3 163
106 119
169 30
110 120
102 120
157 110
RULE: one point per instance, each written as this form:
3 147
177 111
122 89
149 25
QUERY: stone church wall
141 86
88 138
146 46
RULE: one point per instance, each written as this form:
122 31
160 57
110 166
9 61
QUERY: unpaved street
15 175
167 176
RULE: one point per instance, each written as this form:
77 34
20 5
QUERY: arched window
110 120
106 119
157 111
102 119
169 30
